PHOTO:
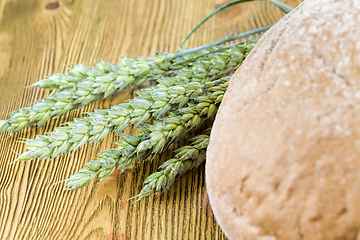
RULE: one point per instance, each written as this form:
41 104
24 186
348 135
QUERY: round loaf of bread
284 154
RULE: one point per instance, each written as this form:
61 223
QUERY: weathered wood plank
40 37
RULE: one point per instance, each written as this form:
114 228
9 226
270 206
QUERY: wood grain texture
40 37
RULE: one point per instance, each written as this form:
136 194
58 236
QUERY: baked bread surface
284 154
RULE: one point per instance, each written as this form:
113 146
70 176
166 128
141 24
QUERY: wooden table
40 37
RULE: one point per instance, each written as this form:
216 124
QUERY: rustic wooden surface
40 37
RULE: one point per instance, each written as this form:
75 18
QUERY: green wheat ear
186 158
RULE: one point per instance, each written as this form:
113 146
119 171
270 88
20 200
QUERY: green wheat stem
284 7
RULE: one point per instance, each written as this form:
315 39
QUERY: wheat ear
186 158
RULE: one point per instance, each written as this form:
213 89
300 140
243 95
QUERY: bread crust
284 154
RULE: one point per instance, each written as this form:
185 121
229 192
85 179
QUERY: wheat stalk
191 86
152 102
155 101
91 90
81 94
153 138
80 73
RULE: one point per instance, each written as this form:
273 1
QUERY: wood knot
52 5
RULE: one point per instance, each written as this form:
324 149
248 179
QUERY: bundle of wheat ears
183 94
